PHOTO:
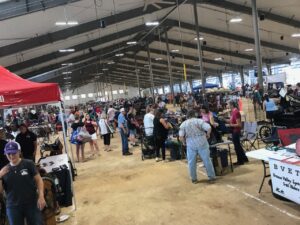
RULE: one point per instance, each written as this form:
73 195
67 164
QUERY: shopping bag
84 136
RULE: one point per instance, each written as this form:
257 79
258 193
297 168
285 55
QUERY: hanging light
236 20
154 23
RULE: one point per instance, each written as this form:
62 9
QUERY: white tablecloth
264 154
55 161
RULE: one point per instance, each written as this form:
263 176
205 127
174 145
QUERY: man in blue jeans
194 133
23 186
123 128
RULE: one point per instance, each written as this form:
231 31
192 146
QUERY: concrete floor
118 190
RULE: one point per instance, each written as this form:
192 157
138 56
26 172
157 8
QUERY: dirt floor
124 190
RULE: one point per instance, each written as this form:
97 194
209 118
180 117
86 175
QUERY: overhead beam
290 21
86 45
76 30
17 8
88 58
235 37
210 61
208 49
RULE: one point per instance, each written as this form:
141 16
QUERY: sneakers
195 181
127 153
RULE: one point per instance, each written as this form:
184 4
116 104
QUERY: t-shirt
26 142
235 115
76 125
270 105
103 127
148 124
131 125
19 184
193 130
122 120
111 114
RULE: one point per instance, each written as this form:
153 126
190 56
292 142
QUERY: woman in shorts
91 127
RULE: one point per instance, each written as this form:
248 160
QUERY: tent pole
66 150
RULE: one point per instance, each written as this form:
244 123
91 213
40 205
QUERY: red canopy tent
15 91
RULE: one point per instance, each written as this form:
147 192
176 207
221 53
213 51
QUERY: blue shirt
270 105
122 120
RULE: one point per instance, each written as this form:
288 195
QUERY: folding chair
250 136
273 139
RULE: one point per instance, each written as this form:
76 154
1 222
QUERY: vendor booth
17 92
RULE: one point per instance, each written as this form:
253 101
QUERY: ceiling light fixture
68 72
154 23
119 54
248 50
200 38
67 78
158 59
131 42
67 50
67 23
67 64
110 63
295 35
236 20
104 69
174 50
218 59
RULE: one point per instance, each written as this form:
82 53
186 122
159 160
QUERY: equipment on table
55 148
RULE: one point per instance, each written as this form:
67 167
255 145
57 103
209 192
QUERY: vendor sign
286 179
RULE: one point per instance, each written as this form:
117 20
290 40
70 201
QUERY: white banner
285 180
281 77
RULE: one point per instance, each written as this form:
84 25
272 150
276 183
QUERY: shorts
132 132
94 136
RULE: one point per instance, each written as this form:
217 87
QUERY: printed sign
1 98
285 180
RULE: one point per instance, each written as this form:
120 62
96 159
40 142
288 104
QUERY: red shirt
235 114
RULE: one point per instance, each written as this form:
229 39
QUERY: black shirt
159 130
3 158
26 142
19 184
75 125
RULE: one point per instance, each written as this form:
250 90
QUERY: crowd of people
133 119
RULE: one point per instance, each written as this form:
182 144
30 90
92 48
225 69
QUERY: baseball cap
12 147
122 110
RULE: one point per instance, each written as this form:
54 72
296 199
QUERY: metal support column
137 76
150 72
269 68
111 92
199 48
257 44
242 76
169 65
221 80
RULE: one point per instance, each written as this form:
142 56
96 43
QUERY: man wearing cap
27 140
23 186
123 127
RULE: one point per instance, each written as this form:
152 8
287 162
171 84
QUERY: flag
184 71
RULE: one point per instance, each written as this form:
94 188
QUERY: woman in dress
105 131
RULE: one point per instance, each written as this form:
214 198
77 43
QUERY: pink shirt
235 115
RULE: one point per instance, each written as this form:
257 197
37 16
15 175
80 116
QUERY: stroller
147 145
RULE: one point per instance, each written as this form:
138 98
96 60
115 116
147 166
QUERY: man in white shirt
148 121
111 114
